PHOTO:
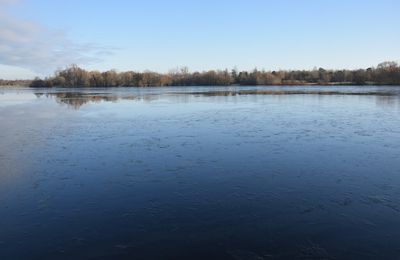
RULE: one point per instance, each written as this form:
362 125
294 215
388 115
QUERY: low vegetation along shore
386 73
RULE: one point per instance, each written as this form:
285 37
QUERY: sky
38 37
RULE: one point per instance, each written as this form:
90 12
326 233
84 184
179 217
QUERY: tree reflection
77 99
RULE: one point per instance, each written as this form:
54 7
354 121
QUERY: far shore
385 74
344 84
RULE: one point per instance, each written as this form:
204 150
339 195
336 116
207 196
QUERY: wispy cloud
28 44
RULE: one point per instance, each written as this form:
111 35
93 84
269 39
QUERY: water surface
200 173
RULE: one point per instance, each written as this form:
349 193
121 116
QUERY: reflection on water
75 99
200 173
78 99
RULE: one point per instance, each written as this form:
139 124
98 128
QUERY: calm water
200 173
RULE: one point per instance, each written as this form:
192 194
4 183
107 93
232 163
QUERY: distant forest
386 73
20 82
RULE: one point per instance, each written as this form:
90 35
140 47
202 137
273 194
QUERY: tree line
20 82
386 73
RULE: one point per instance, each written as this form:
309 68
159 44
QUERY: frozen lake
200 173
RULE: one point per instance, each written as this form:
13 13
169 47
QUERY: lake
200 173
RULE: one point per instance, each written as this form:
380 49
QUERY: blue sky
40 36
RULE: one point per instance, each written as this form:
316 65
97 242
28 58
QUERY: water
200 173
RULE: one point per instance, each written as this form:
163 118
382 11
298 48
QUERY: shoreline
214 85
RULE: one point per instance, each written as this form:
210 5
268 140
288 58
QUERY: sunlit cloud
34 46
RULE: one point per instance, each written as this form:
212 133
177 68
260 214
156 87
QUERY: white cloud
33 46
